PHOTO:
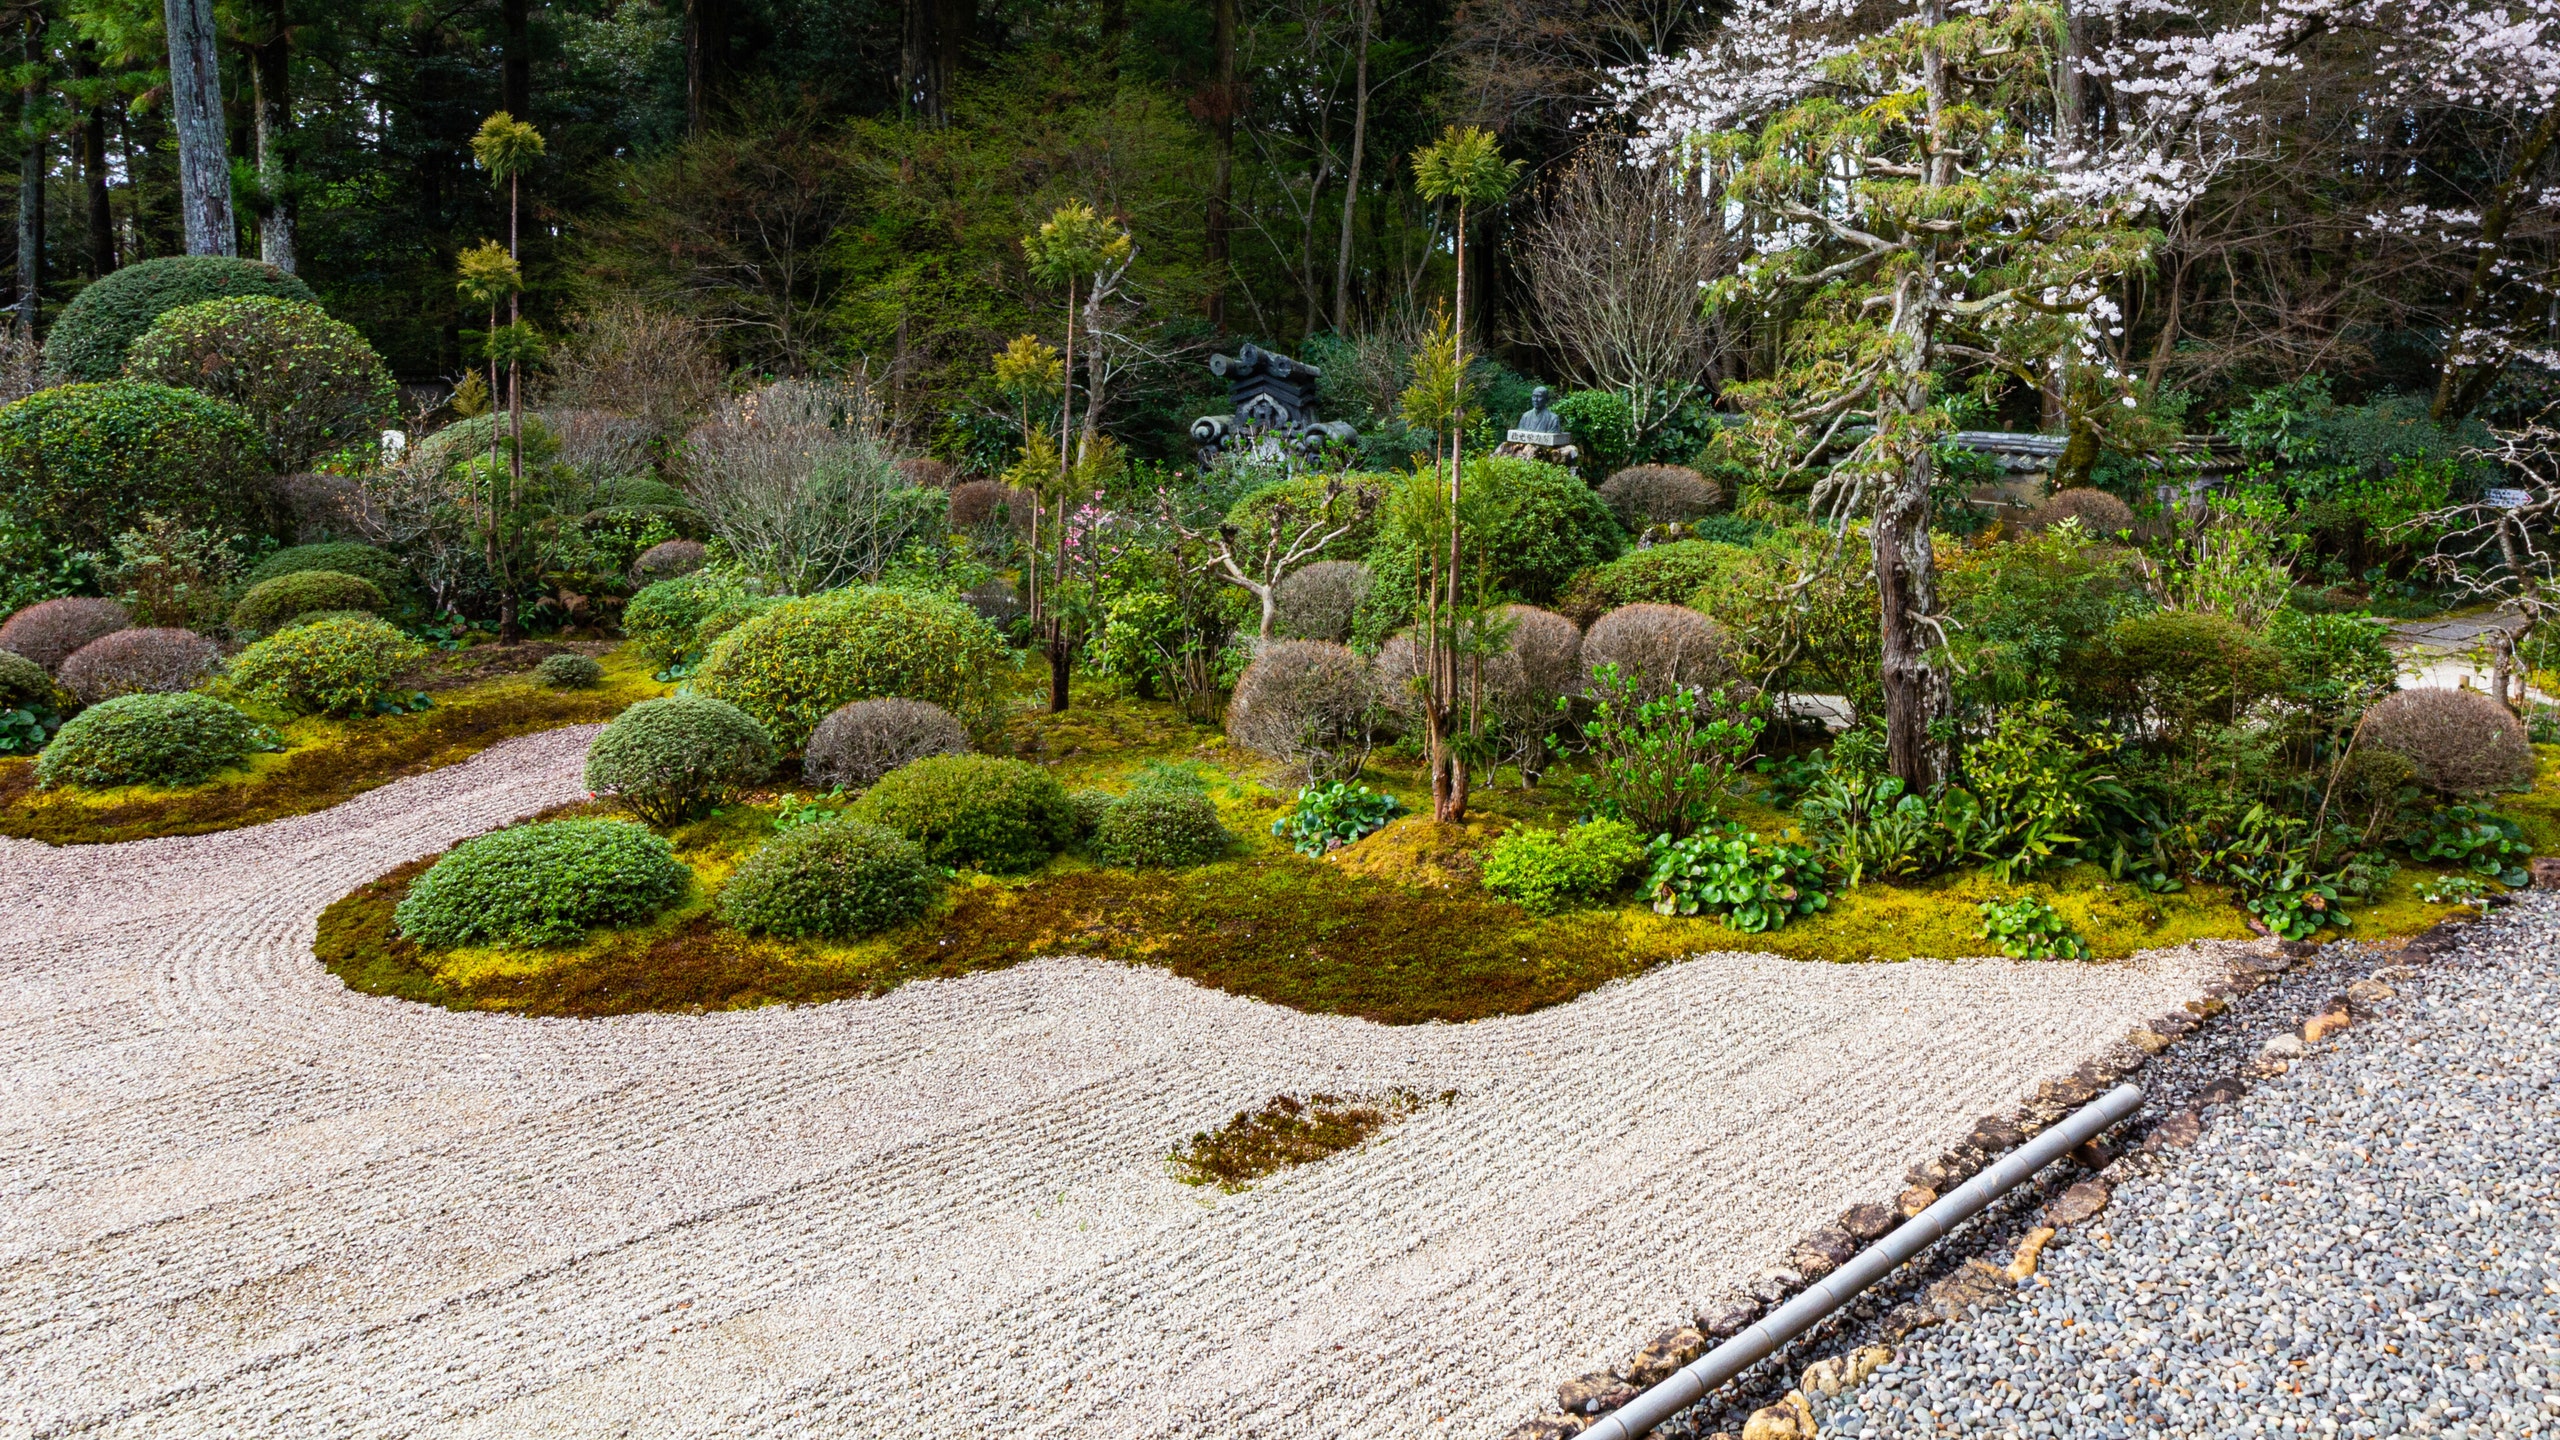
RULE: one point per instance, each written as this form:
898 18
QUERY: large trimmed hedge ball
346 557
974 812
314 386
174 739
52 631
541 884
792 664
1160 827
833 880
84 463
2461 742
334 666
270 603
678 758
92 335
139 662
1661 648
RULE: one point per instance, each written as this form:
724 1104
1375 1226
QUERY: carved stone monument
1541 435
1274 406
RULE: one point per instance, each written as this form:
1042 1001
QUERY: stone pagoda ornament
1274 407
1541 435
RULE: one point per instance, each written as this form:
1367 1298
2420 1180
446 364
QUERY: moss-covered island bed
477 697
1395 927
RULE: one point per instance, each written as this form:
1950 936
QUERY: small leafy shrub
2026 928
1089 805
665 617
1659 764
1334 814
1642 496
1304 702
1320 601
2032 777
345 557
170 576
1755 885
94 332
85 463
541 884
1544 871
2098 512
2476 838
139 662
1866 827
1549 526
52 631
1603 425
2335 665
569 672
270 603
29 707
343 666
1659 649
833 879
2276 865
2462 741
858 743
313 385
2178 672
1160 826
974 811
174 739
666 560
793 664
678 757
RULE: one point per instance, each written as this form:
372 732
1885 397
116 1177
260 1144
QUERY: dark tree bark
1351 181
100 252
195 107
936 33
706 56
1223 103
271 94
38 136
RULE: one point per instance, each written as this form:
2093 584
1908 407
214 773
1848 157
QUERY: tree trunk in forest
270 80
706 55
929 52
195 107
1351 182
515 75
1222 139
1448 772
37 135
100 252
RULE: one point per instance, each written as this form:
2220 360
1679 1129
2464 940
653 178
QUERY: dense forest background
842 184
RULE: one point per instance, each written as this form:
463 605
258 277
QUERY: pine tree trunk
99 257
195 106
270 78
1351 183
32 165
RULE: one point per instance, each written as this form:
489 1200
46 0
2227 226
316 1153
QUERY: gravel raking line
238 1199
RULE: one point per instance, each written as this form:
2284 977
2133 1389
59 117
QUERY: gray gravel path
237 1199
2367 1245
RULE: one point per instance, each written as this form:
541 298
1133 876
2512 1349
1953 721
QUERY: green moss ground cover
1393 929
324 761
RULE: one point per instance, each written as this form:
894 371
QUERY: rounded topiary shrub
793 664
541 884
23 683
2098 512
664 619
1169 828
2461 742
93 333
1646 495
1303 702
974 812
678 758
312 384
84 463
1320 601
569 672
176 739
666 560
2179 670
270 603
52 631
345 557
858 743
139 662
481 436
337 666
1661 648
833 880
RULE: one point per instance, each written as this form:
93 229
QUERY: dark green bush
664 618
832 880
569 672
1089 805
799 660
173 739
346 557
1160 826
270 603
1305 497
23 683
1662 575
336 666
464 441
84 463
91 336
974 811
312 384
1603 426
1550 870
678 758
541 884
1552 525
2334 665
2182 670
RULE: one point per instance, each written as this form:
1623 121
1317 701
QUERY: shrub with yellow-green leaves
330 667
793 664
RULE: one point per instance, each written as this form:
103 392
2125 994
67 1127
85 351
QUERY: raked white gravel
237 1199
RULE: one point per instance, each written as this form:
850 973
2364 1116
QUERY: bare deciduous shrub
628 359
2462 742
601 444
1305 702
1645 495
666 560
977 504
798 479
1317 603
52 631
858 743
1661 647
926 473
2098 512
139 662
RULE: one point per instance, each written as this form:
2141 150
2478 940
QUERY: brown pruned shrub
1317 603
1305 702
923 472
858 743
1647 495
977 504
1661 647
52 631
2098 512
1540 662
2461 742
138 662
666 560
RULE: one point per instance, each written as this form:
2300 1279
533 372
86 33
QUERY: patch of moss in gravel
1287 1130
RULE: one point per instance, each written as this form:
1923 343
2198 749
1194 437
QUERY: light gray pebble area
2367 1245
238 1199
